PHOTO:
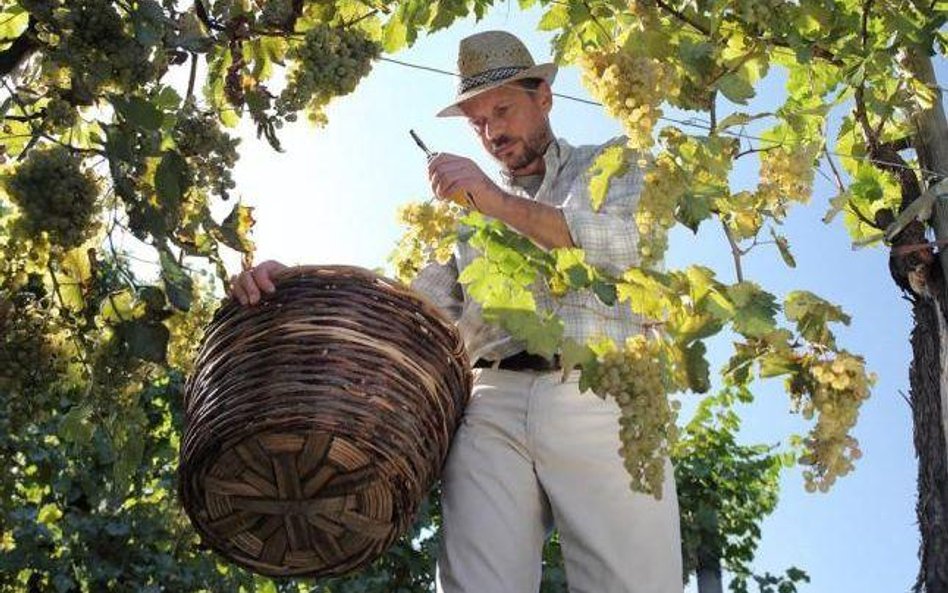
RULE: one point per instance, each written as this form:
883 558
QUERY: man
532 452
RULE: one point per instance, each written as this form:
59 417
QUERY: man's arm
452 177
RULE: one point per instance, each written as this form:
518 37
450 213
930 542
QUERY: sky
331 198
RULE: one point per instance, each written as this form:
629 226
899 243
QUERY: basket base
293 504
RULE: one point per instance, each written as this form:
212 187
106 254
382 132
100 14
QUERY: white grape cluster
636 378
661 194
95 46
55 196
833 390
278 14
632 88
430 236
786 175
211 151
330 62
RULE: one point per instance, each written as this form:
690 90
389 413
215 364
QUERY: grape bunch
278 14
330 62
786 175
60 113
30 360
636 378
661 193
431 236
833 390
211 151
55 196
632 88
96 48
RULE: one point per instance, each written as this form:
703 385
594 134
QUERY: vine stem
735 251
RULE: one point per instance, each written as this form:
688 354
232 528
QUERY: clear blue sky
331 198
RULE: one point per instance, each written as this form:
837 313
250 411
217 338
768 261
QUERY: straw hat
491 59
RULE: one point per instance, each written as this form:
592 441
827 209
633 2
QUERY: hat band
488 76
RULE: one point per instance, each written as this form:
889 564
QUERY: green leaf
178 284
693 209
75 427
573 354
571 265
740 119
145 339
557 17
541 334
394 35
736 87
139 112
611 162
812 315
172 178
697 367
755 309
235 230
784 247
775 364
605 291
49 514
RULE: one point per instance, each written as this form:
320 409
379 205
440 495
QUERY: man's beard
534 146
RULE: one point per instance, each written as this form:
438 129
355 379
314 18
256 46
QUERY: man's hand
452 177
247 286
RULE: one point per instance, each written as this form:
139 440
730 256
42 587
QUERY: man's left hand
453 177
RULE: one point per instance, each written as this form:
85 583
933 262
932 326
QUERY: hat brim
545 71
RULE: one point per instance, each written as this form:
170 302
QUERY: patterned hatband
487 77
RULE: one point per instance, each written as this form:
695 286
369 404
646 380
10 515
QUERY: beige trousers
532 452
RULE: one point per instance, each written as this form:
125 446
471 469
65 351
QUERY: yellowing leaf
611 162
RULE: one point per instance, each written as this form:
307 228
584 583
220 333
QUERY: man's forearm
542 223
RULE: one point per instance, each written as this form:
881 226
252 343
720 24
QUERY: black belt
522 361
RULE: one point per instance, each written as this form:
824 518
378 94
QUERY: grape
60 113
330 63
212 152
832 390
30 360
631 87
786 174
278 14
637 378
94 46
56 196
431 236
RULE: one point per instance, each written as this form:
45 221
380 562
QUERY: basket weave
317 421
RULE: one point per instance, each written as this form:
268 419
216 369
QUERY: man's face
512 123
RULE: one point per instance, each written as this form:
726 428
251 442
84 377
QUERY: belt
522 361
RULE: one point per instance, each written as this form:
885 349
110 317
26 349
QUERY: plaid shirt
608 236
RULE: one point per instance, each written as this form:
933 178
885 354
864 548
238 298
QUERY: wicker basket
317 421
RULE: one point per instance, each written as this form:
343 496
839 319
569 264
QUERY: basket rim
352 271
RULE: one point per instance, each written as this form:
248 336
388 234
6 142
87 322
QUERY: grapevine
637 378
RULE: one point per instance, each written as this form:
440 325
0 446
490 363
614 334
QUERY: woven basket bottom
290 504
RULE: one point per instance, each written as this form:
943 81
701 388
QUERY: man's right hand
247 286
